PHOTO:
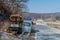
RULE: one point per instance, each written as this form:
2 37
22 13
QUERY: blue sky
44 6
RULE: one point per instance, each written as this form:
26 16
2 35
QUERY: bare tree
11 7
16 6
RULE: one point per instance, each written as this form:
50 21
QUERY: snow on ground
5 36
47 33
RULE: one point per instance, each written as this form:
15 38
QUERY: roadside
53 24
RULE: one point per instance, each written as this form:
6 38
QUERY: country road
47 33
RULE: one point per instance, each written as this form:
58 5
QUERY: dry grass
53 24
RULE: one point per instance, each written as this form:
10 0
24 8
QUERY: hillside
43 15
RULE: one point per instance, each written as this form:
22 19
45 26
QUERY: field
53 24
